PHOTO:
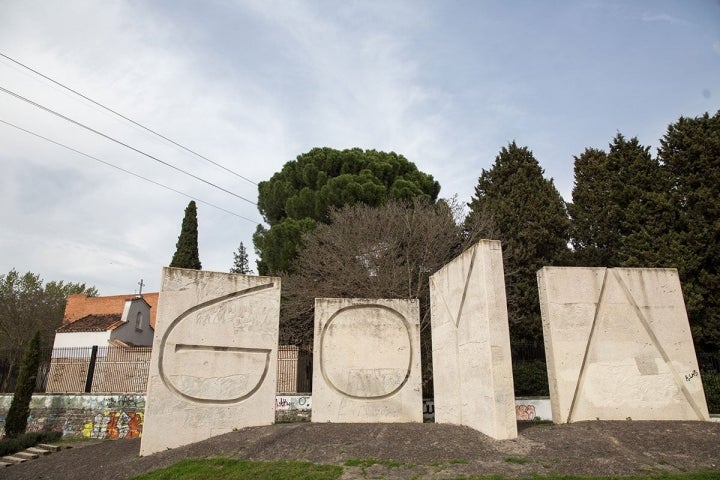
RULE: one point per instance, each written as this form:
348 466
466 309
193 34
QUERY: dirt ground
424 450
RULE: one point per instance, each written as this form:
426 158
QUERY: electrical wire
124 170
127 118
75 122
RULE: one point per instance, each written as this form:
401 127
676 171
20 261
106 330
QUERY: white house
131 326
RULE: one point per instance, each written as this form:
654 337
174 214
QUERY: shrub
530 379
9 446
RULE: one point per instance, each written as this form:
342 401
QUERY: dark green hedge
26 440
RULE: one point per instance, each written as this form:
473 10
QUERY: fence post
91 369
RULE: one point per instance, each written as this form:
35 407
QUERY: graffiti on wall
114 425
522 411
525 412
292 402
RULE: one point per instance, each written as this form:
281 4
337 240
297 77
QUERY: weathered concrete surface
366 361
618 345
472 370
214 361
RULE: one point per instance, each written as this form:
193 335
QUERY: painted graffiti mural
525 412
114 425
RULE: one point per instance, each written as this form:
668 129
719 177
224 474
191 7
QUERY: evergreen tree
16 420
301 195
690 154
240 262
186 253
531 220
618 206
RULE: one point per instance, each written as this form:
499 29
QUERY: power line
127 119
124 170
68 119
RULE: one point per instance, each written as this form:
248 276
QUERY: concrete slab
26 455
472 368
48 447
37 451
214 361
13 459
366 361
618 345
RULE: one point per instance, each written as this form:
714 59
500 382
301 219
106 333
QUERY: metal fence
294 372
111 369
106 369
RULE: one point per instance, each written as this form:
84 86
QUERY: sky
250 85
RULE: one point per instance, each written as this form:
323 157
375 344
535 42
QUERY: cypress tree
531 220
619 206
186 253
16 420
690 155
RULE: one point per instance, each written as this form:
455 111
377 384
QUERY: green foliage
16 420
27 305
530 379
711 386
278 245
305 190
618 205
369 462
240 262
9 446
690 154
186 253
227 469
531 221
630 210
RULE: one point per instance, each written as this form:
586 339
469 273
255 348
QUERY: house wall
127 332
81 339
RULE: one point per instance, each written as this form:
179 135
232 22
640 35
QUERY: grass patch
227 469
709 475
369 462
26 440
454 461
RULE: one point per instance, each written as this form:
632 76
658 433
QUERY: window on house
138 322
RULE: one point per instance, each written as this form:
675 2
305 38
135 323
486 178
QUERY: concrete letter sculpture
366 361
214 360
472 370
618 345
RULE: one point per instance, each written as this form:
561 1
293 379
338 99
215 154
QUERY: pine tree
531 220
300 196
16 420
186 253
240 262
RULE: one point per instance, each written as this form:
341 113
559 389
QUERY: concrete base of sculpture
472 369
214 361
366 363
618 345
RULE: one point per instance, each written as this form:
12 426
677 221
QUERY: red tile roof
93 323
79 306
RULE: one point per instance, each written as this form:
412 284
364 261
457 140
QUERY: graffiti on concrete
114 425
292 402
525 412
